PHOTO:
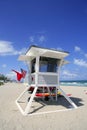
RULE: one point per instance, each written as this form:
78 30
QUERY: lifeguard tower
44 68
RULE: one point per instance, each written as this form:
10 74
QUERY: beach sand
12 119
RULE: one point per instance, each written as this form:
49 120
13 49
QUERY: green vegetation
1 83
3 79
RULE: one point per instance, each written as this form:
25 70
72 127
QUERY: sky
55 24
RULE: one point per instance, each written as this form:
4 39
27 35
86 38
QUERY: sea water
74 83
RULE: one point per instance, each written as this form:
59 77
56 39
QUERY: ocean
74 83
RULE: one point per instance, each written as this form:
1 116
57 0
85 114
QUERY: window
48 64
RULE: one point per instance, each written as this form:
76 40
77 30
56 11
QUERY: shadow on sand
60 102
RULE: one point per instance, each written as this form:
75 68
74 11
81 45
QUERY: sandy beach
12 119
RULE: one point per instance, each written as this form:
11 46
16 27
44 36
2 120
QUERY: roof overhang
24 58
35 51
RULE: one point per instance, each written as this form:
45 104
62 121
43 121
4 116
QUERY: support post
36 86
56 93
30 102
67 98
17 100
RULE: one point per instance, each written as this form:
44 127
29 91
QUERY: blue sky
59 24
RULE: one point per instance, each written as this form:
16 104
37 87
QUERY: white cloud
86 55
6 48
68 74
81 52
77 48
31 38
37 39
11 75
4 66
41 38
23 50
80 62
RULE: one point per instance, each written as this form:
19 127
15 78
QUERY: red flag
19 75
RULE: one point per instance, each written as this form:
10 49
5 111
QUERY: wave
74 83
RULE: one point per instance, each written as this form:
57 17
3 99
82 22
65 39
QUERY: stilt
67 98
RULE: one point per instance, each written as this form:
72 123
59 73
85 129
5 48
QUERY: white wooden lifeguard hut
44 69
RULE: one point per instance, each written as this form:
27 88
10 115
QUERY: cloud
11 75
31 38
4 66
41 38
77 48
68 74
86 55
6 48
16 52
37 38
80 62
